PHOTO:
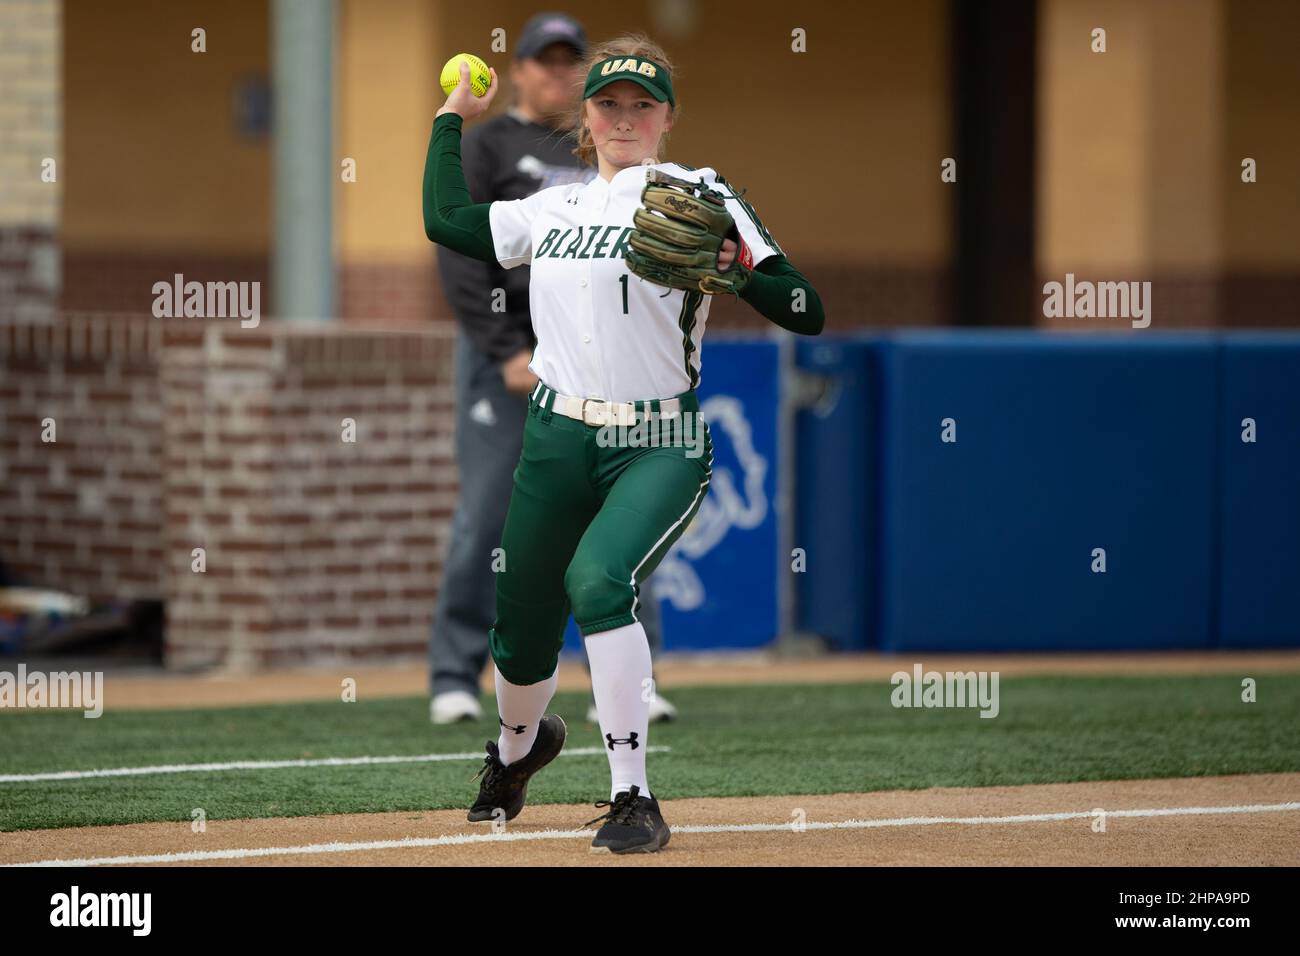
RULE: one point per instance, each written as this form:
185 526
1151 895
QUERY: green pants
592 513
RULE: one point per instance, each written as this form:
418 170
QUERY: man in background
509 156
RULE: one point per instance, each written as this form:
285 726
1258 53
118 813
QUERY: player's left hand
726 255
684 237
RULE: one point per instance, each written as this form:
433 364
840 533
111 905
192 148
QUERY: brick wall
315 546
121 279
83 512
387 293
175 435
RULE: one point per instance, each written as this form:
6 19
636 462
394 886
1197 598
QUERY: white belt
597 411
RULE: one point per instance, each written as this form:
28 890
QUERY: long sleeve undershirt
454 220
451 217
771 291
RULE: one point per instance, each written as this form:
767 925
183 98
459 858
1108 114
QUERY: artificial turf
730 741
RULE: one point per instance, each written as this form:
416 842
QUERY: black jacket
505 157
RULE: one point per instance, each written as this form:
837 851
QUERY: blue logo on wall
737 499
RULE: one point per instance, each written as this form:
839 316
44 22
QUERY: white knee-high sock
520 707
620 671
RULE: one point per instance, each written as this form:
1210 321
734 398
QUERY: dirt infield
227 689
889 828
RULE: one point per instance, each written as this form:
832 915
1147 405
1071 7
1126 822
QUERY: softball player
590 518
509 156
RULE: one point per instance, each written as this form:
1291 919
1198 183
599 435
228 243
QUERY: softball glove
678 234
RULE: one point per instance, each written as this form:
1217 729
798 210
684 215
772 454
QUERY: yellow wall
386 80
1184 175
839 147
1093 137
153 158
1140 147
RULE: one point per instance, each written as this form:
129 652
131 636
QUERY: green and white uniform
587 523
590 517
600 329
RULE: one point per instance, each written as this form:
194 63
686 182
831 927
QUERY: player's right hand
462 99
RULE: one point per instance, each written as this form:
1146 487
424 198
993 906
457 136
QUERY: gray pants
489 438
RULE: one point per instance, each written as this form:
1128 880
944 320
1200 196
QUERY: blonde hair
629 44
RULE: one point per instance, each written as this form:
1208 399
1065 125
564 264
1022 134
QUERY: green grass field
731 741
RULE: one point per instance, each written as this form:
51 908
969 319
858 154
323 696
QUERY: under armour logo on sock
630 739
519 729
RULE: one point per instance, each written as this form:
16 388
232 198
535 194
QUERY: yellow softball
479 78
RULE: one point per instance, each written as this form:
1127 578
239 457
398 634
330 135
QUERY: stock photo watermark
1098 300
657 430
70 690
75 908
955 689
208 300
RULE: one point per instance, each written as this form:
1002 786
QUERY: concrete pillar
302 271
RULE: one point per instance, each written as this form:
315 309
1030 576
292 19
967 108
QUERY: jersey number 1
623 280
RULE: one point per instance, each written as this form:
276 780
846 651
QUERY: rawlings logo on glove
678 234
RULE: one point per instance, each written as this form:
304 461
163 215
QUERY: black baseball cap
547 28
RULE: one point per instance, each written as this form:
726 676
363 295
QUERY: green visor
647 73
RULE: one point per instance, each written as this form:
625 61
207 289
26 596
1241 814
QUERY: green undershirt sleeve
771 290
451 217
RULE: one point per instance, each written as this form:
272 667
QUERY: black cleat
632 825
507 787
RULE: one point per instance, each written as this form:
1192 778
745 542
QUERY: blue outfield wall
1260 506
1063 445
835 514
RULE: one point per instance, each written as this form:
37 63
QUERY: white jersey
603 332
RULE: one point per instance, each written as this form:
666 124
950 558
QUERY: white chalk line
462 839
273 765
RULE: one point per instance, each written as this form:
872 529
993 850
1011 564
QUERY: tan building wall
839 147
1129 144
154 156
1184 177
843 141
1263 122
159 179
385 85
1140 153
31 131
